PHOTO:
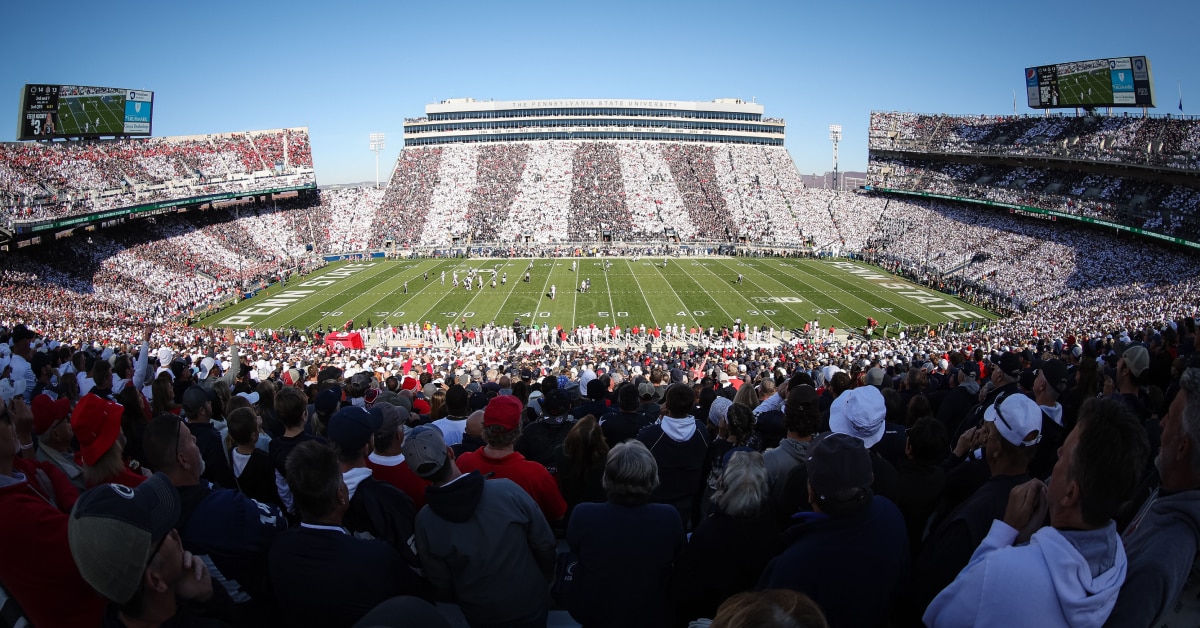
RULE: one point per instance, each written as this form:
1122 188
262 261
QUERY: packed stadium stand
44 181
573 190
1139 172
521 186
104 237
572 170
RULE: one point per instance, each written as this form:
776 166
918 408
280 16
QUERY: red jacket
529 475
402 477
127 477
37 568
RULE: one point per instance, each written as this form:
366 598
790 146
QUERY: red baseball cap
47 412
504 411
97 425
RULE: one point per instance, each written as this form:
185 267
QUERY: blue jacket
865 552
328 578
625 556
232 534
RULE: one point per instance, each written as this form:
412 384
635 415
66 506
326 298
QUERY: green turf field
74 112
784 293
1074 89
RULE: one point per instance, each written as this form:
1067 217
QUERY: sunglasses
999 413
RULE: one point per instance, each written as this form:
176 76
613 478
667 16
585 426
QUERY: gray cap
424 451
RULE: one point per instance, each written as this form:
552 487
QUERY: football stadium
604 361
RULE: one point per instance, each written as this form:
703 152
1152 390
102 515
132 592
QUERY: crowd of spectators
619 476
180 265
878 482
349 214
695 172
56 179
597 194
563 191
407 199
760 185
1149 204
1137 199
654 201
497 184
1161 141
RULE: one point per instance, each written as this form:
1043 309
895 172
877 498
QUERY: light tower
376 146
835 135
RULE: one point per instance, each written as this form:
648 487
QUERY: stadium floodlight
835 136
376 146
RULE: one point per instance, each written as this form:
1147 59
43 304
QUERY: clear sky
346 69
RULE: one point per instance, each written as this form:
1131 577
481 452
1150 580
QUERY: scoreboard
54 111
1115 82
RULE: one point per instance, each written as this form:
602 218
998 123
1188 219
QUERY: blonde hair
107 467
742 489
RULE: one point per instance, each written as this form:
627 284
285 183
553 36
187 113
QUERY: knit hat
718 409
555 403
327 401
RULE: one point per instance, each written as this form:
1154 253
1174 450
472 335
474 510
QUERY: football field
1086 88
78 114
783 293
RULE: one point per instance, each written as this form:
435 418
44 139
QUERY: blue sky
346 69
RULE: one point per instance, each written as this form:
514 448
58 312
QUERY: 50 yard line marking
641 292
542 295
608 288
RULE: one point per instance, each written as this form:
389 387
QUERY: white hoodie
679 430
1045 583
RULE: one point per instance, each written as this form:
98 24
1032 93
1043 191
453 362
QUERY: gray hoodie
782 459
1161 543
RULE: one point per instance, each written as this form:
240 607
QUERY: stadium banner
58 111
344 340
25 227
1116 82
1037 212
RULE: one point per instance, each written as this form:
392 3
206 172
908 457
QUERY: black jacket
538 440
355 575
382 511
619 427
948 548
216 467
682 469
